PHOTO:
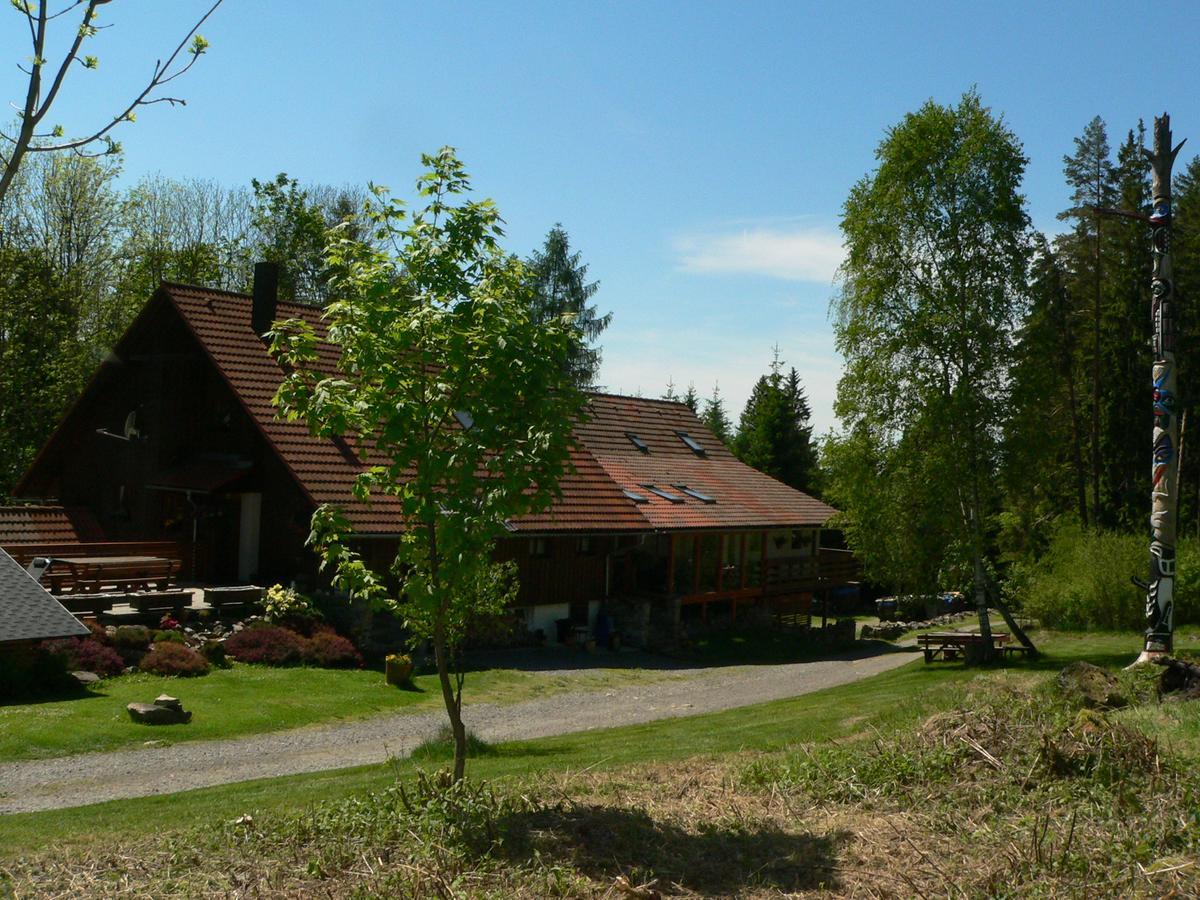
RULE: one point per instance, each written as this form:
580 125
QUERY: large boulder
165 710
1091 686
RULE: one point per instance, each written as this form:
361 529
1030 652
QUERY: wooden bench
954 644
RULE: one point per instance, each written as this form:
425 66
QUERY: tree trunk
453 702
1164 491
1077 451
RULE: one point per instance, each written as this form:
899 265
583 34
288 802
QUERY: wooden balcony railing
839 567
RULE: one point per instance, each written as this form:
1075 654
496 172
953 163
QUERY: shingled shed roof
27 611
607 461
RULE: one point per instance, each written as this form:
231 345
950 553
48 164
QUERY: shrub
35 671
329 650
99 633
88 655
165 635
132 637
1082 581
269 645
284 606
214 652
170 658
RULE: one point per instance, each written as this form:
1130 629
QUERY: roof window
664 493
692 443
635 496
692 492
637 442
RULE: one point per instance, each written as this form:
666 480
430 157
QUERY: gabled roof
27 611
606 462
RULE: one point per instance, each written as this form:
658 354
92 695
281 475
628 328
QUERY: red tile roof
47 525
605 460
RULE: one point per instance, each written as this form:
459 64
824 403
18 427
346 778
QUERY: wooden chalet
175 441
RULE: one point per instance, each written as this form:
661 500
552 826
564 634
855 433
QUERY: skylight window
465 419
692 443
664 493
692 492
637 442
635 496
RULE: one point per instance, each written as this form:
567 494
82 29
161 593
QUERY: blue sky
697 153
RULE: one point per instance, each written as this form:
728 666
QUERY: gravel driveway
96 777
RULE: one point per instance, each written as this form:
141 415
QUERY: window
698 495
465 419
538 548
637 442
664 493
692 444
635 496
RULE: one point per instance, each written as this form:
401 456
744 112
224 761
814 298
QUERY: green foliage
715 416
457 396
933 287
1082 580
440 747
774 434
290 231
282 605
561 289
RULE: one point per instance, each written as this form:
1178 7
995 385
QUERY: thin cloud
795 254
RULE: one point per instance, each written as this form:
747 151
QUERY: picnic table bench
953 644
121 574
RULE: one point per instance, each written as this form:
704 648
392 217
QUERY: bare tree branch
35 107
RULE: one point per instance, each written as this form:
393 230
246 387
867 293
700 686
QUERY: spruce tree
691 399
1089 173
715 417
561 286
774 434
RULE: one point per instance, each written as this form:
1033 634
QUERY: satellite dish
129 433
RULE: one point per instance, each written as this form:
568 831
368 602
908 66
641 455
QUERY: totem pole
1164 491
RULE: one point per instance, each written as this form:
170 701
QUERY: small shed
27 610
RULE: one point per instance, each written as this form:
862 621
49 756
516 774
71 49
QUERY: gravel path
94 777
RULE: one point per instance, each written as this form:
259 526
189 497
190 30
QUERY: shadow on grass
717 652
77 692
604 842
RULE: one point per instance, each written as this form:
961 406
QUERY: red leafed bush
99 633
329 650
269 645
87 655
170 658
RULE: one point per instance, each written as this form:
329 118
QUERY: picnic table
953 644
94 574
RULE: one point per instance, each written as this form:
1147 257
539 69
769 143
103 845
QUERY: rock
85 678
1092 686
154 743
165 710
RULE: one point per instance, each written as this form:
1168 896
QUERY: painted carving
1160 592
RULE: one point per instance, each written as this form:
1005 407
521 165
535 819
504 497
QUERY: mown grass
244 700
884 701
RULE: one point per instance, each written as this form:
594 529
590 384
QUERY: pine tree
560 281
715 417
669 393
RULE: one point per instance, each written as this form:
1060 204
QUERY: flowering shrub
170 658
269 645
285 606
330 650
168 623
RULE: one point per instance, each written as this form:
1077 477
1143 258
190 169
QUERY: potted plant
398 669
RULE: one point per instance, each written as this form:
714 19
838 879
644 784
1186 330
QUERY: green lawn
246 699
886 700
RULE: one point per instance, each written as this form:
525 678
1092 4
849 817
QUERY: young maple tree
458 400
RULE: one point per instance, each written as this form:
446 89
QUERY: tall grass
1083 581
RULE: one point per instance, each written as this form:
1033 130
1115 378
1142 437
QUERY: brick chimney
266 296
